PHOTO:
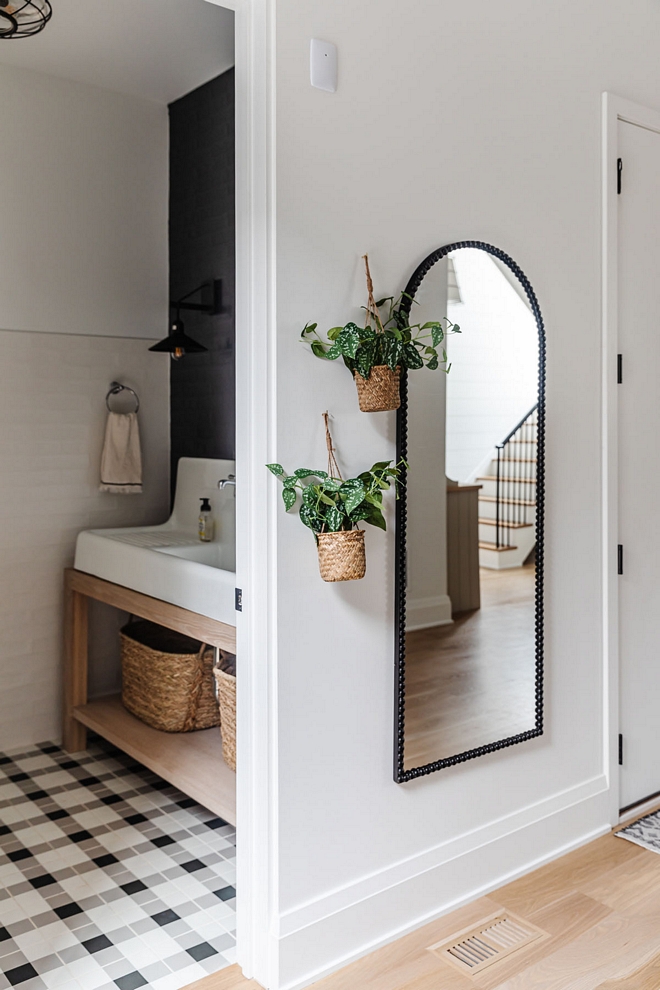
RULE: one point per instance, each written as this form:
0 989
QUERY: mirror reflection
471 500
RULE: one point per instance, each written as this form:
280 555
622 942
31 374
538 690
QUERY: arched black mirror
469 573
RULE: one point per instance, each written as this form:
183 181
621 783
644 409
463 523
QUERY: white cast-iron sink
168 562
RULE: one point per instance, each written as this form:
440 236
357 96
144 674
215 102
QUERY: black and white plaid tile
109 876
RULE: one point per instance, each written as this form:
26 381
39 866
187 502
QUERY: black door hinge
238 599
619 174
619 369
619 559
620 750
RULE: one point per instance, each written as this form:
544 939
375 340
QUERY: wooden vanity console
192 761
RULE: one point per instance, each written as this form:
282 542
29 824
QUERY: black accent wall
202 246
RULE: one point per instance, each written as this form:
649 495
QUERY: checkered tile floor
109 876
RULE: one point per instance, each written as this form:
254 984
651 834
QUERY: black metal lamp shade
23 18
178 343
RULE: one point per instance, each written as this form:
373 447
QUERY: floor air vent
492 939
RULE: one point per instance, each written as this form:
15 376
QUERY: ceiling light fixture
177 343
23 18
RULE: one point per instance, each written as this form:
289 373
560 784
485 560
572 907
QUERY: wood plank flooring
600 907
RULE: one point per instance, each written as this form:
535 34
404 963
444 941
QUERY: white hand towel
121 460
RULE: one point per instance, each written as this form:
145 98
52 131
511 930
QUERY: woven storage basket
167 678
342 556
225 679
380 391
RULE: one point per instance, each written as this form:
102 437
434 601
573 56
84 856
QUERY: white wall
427 601
493 380
52 412
83 230
451 121
83 253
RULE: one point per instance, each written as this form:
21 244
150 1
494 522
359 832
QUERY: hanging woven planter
377 353
380 391
332 508
342 556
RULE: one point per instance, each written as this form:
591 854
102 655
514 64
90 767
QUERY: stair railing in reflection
515 490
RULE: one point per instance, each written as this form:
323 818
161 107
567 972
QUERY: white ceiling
157 49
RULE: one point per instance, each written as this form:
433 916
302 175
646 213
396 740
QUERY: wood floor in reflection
472 683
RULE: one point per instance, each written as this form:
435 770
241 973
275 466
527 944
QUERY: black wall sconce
177 343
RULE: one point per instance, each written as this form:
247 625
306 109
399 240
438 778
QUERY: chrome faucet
226 482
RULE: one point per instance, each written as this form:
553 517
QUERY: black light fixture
23 18
177 343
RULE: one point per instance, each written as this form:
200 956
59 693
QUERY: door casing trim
614 109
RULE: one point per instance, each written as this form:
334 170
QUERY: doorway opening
120 126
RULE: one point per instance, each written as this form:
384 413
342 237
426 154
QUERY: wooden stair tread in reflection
507 501
510 480
485 545
505 525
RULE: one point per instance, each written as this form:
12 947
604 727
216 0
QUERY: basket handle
196 690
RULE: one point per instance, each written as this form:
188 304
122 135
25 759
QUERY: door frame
614 109
256 783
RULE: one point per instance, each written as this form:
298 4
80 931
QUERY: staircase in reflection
507 500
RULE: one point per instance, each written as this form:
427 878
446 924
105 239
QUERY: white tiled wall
52 417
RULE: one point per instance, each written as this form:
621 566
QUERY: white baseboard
640 810
324 935
424 613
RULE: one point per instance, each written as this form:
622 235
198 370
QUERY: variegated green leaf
310 519
334 519
353 493
349 340
289 497
364 359
411 357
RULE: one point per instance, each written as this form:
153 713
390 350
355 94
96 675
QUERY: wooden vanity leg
74 734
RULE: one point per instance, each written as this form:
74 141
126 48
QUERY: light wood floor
600 908
472 683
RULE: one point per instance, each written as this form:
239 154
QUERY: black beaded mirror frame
401 775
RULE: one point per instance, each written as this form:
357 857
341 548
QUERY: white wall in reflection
493 379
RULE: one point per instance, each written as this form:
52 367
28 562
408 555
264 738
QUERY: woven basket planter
342 556
380 391
167 678
225 679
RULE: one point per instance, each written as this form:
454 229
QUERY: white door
639 461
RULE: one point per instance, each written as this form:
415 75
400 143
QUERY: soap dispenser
206 523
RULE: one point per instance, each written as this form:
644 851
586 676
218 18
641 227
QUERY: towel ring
115 389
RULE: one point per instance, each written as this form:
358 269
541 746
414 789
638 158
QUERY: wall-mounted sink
168 562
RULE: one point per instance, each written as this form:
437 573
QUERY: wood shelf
192 761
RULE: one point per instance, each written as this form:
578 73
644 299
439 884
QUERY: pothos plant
332 509
387 338
394 341
330 504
